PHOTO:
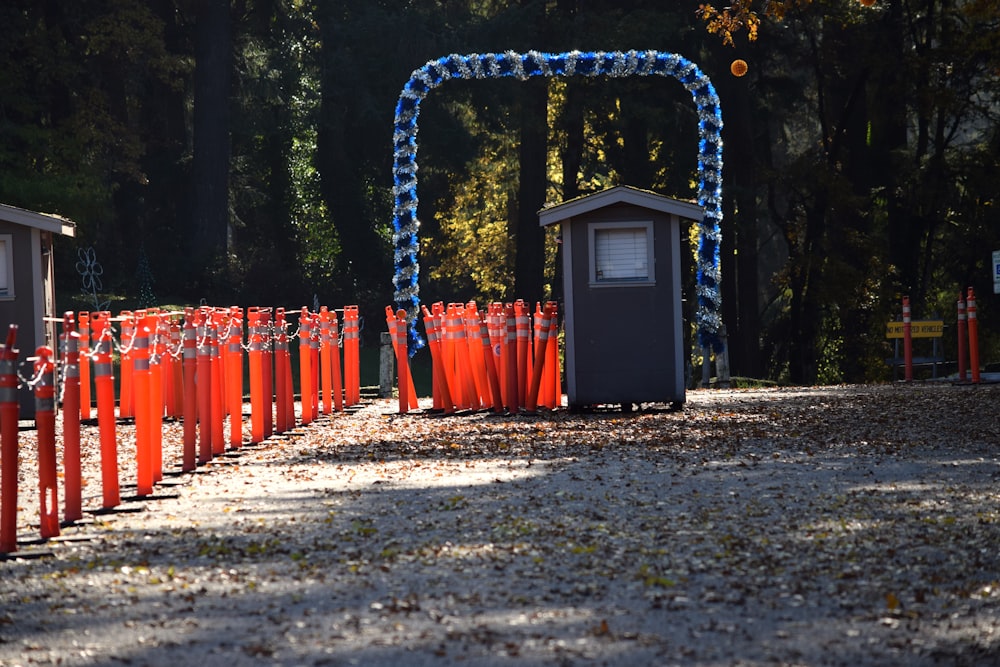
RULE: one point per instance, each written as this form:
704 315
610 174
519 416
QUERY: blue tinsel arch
616 64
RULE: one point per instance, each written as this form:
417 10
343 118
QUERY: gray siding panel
625 338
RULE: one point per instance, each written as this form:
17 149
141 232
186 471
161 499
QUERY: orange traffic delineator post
963 332
314 345
267 379
477 363
440 392
401 362
510 358
492 377
352 356
190 400
973 324
83 324
447 325
204 389
104 383
553 384
305 368
216 388
397 327
542 338
335 371
326 361
496 323
8 443
523 330
466 369
72 471
907 340
411 389
234 376
173 384
125 399
464 385
157 352
404 379
141 382
45 425
284 392
255 354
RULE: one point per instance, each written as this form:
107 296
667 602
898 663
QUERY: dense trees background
245 145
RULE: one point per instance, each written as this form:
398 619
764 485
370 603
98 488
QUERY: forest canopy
241 151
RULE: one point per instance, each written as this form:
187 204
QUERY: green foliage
474 252
861 152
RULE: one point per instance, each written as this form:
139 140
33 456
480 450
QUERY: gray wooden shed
27 284
621 251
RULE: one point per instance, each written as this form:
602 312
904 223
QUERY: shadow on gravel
761 528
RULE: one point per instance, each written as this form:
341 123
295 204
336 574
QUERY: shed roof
43 221
619 194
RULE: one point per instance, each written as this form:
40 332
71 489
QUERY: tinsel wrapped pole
615 64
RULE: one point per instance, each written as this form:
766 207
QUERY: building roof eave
44 221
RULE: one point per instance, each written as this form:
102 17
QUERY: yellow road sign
918 329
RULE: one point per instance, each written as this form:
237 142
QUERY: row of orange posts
968 328
188 366
504 359
967 334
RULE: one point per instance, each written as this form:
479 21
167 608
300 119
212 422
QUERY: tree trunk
529 259
572 151
637 168
889 132
210 163
341 154
741 301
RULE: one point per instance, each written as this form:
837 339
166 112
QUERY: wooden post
386 358
722 361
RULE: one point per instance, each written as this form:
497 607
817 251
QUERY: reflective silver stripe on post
8 395
100 370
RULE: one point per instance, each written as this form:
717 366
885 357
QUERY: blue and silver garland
616 64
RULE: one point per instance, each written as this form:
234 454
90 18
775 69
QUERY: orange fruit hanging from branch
739 67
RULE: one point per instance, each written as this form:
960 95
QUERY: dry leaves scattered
843 525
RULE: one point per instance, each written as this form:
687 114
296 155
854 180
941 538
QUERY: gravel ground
853 525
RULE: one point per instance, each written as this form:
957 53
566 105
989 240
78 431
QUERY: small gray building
27 284
621 266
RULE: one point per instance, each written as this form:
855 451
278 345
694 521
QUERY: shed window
6 267
621 253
